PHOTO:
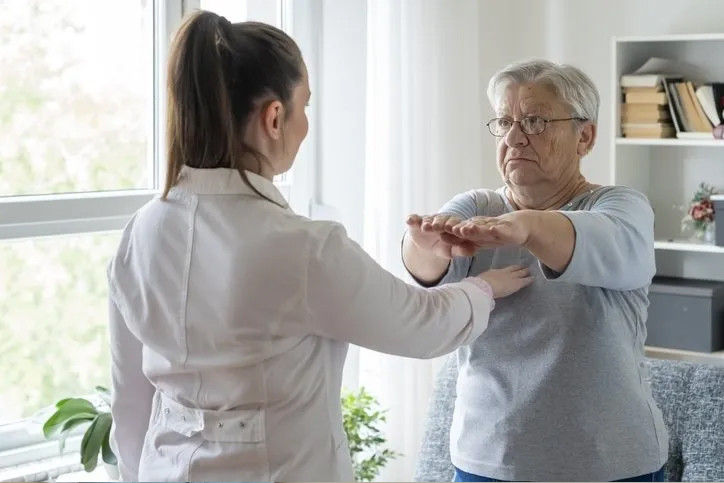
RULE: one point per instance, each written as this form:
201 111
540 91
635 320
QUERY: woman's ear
272 115
586 139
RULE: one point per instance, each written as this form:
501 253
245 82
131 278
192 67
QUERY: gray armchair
691 397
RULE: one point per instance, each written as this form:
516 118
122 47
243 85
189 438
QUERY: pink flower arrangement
702 211
700 215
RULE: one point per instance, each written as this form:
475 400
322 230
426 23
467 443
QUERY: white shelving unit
687 246
716 143
669 171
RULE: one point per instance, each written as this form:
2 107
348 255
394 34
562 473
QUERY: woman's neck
546 198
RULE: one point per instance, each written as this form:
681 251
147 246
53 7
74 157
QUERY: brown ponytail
216 71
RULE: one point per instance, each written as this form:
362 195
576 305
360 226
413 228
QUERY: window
267 11
82 97
53 305
76 102
80 132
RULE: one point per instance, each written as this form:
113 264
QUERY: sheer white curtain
423 132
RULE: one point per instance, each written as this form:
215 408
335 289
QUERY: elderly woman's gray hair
571 85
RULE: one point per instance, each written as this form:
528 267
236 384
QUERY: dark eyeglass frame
521 123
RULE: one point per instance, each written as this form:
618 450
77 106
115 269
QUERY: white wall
508 31
579 33
572 31
341 104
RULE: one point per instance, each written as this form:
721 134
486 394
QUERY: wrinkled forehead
528 99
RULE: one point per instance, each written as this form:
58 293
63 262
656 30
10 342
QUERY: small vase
705 234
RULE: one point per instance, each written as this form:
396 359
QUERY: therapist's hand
506 281
433 233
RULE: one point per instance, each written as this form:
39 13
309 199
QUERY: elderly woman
555 389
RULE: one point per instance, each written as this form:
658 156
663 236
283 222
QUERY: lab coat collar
226 181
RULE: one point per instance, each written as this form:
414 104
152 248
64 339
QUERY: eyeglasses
530 125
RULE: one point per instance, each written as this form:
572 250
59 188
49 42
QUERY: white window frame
30 216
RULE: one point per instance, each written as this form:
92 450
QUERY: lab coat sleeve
132 395
353 299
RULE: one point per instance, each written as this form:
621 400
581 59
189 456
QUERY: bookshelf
669 170
683 245
714 143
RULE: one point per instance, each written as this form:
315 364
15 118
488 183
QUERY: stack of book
645 111
665 105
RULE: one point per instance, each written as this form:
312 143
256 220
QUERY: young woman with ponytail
229 314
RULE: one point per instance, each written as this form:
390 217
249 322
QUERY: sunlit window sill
99 474
47 469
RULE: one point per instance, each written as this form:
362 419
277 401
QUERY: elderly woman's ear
587 138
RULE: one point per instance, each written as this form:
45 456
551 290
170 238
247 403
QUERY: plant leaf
84 446
108 456
68 426
69 409
93 440
361 418
75 403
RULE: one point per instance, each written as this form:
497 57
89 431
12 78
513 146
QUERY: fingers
414 221
474 228
451 223
517 270
525 281
451 239
520 275
437 223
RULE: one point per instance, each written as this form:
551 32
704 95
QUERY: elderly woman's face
549 157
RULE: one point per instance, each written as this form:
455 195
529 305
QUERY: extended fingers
437 223
525 281
414 220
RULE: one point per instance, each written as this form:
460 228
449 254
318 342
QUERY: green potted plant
362 417
73 412
360 413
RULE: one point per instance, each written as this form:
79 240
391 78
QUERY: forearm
552 239
613 248
425 266
383 313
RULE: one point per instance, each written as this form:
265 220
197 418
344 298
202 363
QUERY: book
655 112
648 130
645 117
658 88
705 95
639 97
644 108
695 135
703 121
691 118
640 80
673 111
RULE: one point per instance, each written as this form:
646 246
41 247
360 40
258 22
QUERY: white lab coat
230 318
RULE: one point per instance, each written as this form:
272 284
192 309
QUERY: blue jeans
460 475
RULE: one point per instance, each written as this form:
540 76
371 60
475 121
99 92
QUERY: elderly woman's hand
510 229
432 233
